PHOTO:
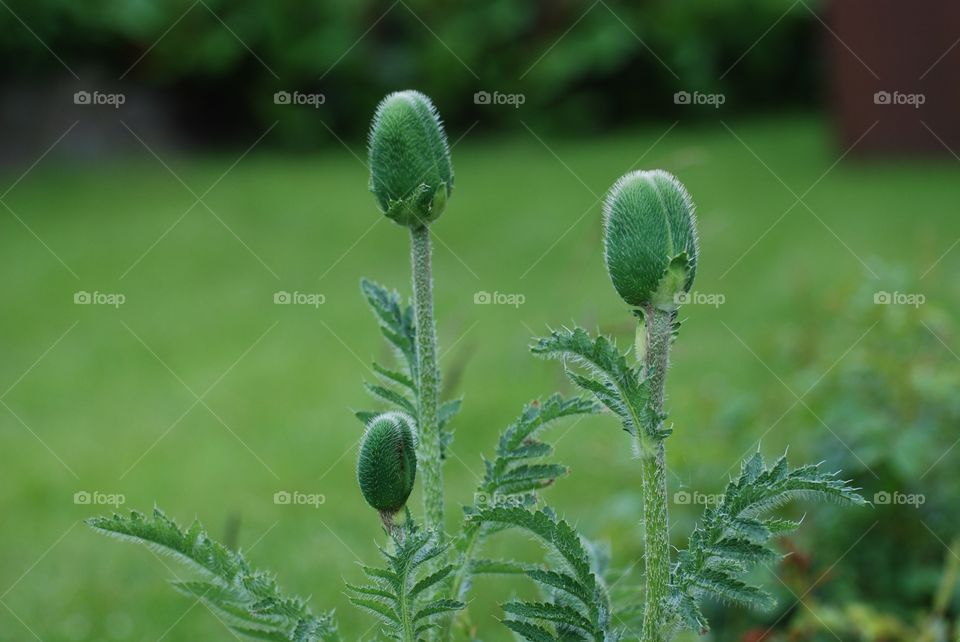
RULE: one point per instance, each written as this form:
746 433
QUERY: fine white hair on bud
411 174
650 238
387 466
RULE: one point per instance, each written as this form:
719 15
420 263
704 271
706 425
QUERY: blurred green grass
116 397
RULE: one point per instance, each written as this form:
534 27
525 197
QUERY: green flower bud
411 175
387 466
650 238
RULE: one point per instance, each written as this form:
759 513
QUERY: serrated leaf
556 613
392 398
400 592
436 607
614 383
249 600
733 536
448 410
575 577
395 376
530 632
514 476
430 580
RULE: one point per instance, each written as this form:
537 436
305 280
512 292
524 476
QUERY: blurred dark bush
891 398
580 65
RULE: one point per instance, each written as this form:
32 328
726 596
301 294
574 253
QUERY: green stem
461 575
659 328
406 617
428 380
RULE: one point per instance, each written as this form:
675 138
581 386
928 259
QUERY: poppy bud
411 175
650 238
387 466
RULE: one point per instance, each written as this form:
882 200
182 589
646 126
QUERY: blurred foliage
579 65
862 622
892 401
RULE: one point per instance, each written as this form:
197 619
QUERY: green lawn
104 399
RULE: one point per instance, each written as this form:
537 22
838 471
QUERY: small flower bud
650 238
411 175
387 466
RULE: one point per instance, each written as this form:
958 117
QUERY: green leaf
436 607
530 631
519 443
514 476
575 577
396 322
393 376
392 398
614 383
497 567
399 594
735 535
448 410
430 580
556 613
377 608
250 600
400 390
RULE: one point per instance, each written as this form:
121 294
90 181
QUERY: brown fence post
895 63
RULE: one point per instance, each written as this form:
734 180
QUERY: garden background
185 220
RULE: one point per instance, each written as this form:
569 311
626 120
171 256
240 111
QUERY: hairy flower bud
650 238
411 175
387 466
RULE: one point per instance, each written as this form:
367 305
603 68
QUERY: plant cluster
899 417
202 59
421 591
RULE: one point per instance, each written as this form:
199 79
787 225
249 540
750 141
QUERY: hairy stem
428 380
406 617
659 328
460 578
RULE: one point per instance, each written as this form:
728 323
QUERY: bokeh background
166 169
